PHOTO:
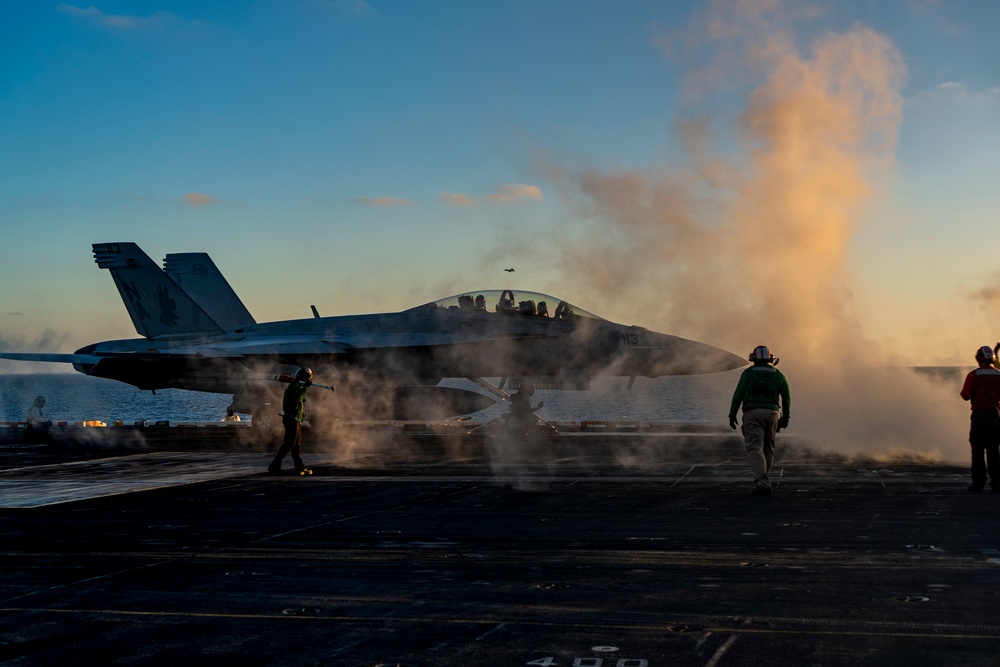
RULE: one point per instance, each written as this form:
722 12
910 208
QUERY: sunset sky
820 176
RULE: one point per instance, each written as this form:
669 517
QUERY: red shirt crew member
982 390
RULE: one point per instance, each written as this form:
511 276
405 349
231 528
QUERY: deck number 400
592 662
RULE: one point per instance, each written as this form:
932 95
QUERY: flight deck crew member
522 416
982 390
293 406
36 426
758 391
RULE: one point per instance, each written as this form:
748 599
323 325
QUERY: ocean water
76 397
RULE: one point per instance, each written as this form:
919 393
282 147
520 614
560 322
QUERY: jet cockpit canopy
511 302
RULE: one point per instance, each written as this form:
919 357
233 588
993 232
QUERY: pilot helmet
984 355
761 354
304 374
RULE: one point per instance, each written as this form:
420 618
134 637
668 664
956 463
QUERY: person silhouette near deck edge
982 390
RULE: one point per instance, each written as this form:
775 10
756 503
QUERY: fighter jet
198 335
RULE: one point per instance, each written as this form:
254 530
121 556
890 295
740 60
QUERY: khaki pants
759 428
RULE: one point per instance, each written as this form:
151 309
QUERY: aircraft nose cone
672 355
727 361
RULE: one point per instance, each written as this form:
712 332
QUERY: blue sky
369 156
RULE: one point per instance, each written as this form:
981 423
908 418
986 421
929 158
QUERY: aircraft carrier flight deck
593 548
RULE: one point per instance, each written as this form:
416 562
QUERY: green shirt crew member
762 391
294 402
294 407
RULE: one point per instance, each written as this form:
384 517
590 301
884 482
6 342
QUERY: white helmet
761 354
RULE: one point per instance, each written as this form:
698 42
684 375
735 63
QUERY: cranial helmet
984 354
761 354
304 375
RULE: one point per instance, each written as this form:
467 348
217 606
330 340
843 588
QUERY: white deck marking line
721 652
681 478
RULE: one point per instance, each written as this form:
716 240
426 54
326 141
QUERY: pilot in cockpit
505 305
564 311
543 309
481 302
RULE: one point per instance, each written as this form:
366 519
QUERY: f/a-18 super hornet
198 335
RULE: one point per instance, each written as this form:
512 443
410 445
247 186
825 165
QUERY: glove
783 422
732 422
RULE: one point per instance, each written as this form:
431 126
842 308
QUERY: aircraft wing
53 358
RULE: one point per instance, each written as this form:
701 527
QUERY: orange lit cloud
198 199
511 192
456 199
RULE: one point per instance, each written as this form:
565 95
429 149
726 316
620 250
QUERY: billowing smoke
749 241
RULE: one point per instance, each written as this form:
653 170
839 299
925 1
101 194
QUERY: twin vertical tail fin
157 305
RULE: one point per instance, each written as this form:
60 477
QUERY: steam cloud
748 242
